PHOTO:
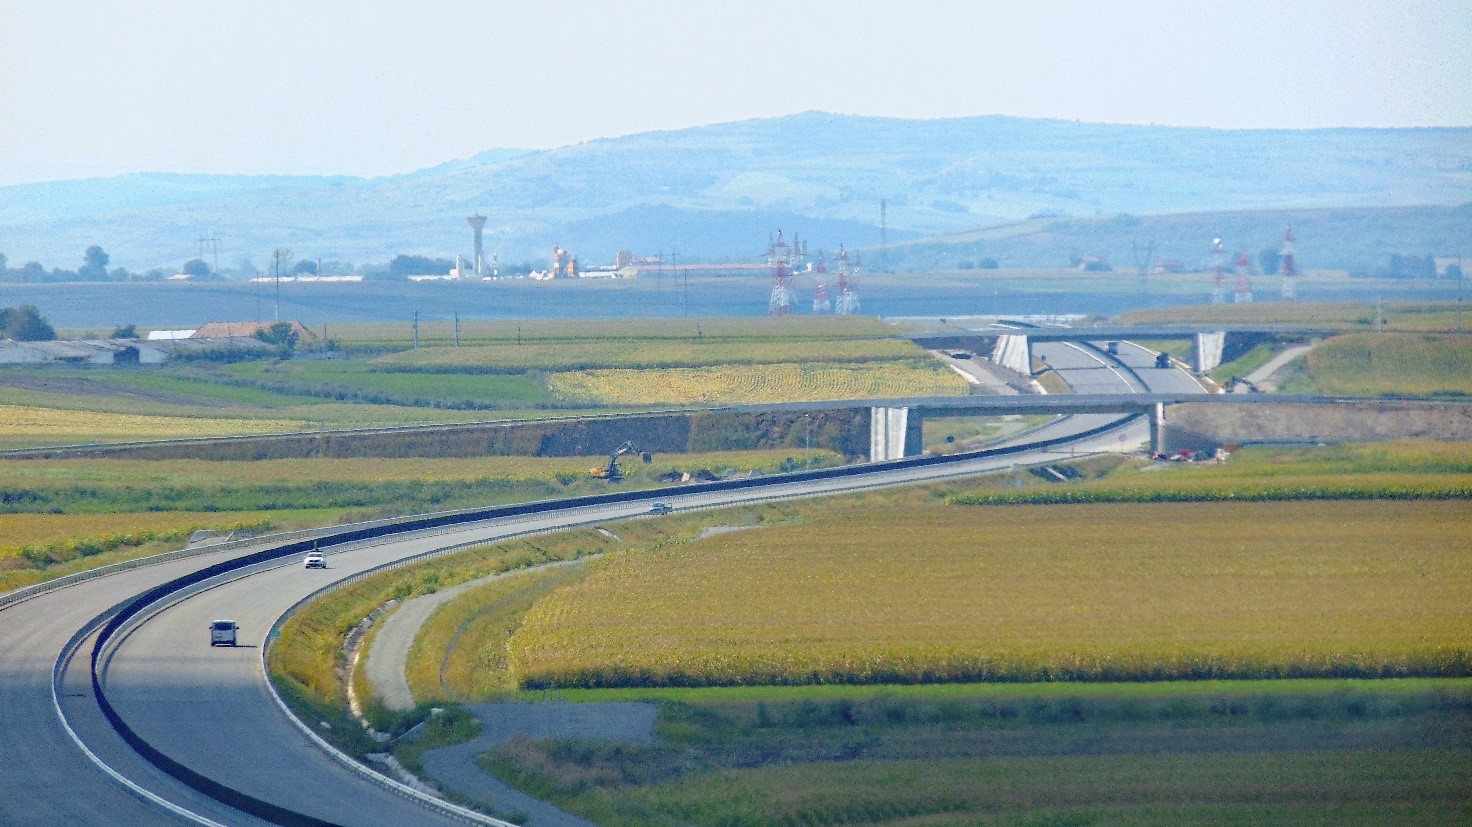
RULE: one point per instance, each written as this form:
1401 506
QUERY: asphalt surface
209 708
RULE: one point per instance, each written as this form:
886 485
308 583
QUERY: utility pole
416 329
457 328
685 282
276 255
883 236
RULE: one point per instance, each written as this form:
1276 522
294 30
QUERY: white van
222 632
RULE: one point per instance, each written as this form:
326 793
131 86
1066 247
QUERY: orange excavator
610 471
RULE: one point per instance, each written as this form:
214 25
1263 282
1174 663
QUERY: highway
210 708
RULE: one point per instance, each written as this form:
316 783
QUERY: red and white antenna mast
1289 267
779 256
822 304
1219 264
848 294
1244 280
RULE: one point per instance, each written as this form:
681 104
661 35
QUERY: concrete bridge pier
1208 350
1013 352
894 433
1157 428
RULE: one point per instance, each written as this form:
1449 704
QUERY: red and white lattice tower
822 304
1219 265
848 293
1289 268
1244 280
779 256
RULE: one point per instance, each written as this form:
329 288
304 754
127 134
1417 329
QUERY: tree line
95 260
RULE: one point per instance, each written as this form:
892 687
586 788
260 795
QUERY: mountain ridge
714 191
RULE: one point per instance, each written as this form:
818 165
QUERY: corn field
756 383
929 594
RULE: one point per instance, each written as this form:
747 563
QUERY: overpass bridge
1011 345
895 424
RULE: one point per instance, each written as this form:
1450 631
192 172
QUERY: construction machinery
610 471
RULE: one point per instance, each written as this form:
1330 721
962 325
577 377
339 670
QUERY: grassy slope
38 547
1368 364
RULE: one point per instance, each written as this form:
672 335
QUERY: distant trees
197 267
305 267
3 266
1412 266
94 264
129 331
1269 260
281 334
404 266
25 324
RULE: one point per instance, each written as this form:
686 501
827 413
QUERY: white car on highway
315 560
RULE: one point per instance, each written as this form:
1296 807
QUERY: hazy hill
1337 239
717 191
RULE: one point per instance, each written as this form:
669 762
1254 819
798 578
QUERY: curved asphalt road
209 708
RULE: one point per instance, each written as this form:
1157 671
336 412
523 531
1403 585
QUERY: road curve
209 707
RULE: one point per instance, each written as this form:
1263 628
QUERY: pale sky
99 87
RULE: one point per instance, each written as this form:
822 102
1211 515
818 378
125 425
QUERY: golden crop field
54 425
17 474
757 383
929 593
644 353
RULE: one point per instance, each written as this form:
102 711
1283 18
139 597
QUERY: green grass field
1359 752
644 353
730 329
359 381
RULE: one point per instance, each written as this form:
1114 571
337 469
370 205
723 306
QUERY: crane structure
611 471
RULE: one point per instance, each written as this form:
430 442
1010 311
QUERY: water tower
477 223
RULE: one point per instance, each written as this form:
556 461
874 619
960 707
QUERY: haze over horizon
98 90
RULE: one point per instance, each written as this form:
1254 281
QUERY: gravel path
455 767
1262 375
388 657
